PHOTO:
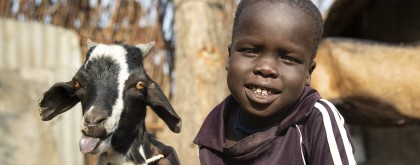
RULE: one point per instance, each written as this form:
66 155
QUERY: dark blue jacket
314 133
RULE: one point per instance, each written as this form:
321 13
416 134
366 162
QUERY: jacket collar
211 134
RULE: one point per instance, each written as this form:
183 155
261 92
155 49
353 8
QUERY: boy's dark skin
272 50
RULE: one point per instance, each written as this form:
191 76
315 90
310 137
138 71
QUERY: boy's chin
258 109
266 110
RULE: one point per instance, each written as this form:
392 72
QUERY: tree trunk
202 30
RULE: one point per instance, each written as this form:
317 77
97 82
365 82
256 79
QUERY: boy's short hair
305 5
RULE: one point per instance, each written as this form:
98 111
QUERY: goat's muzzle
93 129
94 124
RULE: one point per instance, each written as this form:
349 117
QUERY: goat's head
113 89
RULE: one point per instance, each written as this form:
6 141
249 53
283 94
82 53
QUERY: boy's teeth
264 92
261 91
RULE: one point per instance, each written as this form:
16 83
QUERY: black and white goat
114 89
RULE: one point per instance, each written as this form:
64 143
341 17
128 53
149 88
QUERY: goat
371 83
114 90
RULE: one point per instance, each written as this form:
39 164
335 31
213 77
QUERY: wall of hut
33 57
381 21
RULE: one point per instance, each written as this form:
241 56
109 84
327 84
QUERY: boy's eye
289 60
249 51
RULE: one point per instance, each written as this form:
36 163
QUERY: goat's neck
128 148
123 141
112 157
140 149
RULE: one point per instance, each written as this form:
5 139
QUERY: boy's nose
267 68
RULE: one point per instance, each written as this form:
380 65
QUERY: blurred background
44 41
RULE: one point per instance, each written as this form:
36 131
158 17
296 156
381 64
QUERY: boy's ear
228 59
312 67
160 104
58 99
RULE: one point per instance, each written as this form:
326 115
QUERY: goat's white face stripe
118 54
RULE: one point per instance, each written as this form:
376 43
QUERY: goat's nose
95 117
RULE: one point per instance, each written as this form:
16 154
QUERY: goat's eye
140 85
76 85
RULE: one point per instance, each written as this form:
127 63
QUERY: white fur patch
150 160
118 54
154 159
141 150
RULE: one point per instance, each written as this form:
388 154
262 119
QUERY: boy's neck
260 123
249 124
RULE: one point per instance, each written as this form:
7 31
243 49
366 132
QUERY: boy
272 116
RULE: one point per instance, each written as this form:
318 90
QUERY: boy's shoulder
323 119
212 128
325 111
326 127
217 114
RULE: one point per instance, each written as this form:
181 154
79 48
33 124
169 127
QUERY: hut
392 22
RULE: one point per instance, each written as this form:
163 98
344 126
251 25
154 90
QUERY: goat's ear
91 44
145 48
58 99
160 104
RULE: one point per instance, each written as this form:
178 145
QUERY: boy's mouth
262 95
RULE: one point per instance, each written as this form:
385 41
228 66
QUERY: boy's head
271 54
304 5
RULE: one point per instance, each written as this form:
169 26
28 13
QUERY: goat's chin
105 145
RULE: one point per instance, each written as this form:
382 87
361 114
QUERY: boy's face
270 58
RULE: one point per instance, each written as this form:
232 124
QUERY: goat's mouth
90 144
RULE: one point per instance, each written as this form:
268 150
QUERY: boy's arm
330 141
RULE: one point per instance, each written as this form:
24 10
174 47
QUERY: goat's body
370 83
113 157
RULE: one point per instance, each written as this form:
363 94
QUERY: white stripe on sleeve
330 134
346 141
